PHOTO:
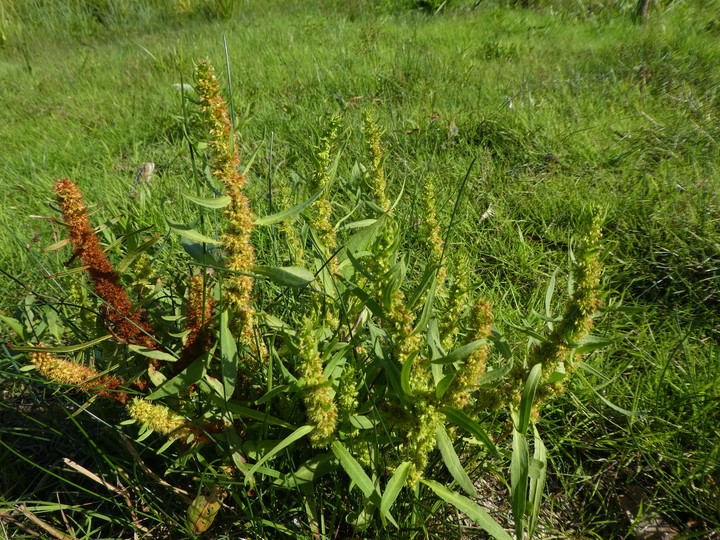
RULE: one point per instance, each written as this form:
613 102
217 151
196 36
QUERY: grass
563 106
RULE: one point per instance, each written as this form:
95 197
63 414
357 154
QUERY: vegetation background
563 102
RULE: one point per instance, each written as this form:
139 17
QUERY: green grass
564 105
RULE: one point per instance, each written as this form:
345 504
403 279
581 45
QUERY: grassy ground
562 105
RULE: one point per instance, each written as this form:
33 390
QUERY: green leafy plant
313 330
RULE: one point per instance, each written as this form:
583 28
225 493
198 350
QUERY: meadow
526 117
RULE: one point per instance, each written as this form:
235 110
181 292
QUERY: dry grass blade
8 517
122 492
48 528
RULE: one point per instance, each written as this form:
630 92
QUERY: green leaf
191 234
287 276
519 466
528 397
299 433
229 355
461 352
354 470
287 214
470 509
356 473
246 412
430 272
362 422
369 302
209 202
14 324
427 310
360 240
152 353
207 255
59 350
592 343
452 462
134 254
405 375
491 379
549 293
359 224
190 375
459 418
444 384
309 471
394 487
537 482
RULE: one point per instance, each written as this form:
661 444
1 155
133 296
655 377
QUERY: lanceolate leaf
182 380
58 350
452 462
394 487
353 469
462 420
229 355
191 234
528 397
356 473
211 202
152 353
287 214
461 352
299 433
470 509
309 471
287 276
519 467
537 482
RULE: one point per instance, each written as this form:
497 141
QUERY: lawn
525 119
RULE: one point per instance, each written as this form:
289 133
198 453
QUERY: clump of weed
360 369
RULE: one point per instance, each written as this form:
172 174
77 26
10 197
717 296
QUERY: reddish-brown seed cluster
117 308
199 312
87 379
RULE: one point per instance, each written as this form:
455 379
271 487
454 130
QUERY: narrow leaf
229 355
394 487
452 462
288 276
549 293
152 353
470 509
519 465
209 202
462 420
58 350
191 234
537 483
592 343
182 380
528 397
309 471
299 433
461 352
287 214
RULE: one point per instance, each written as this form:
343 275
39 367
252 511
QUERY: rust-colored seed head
199 312
126 325
88 379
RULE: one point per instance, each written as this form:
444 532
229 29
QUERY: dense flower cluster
126 324
88 379
199 312
322 410
237 238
